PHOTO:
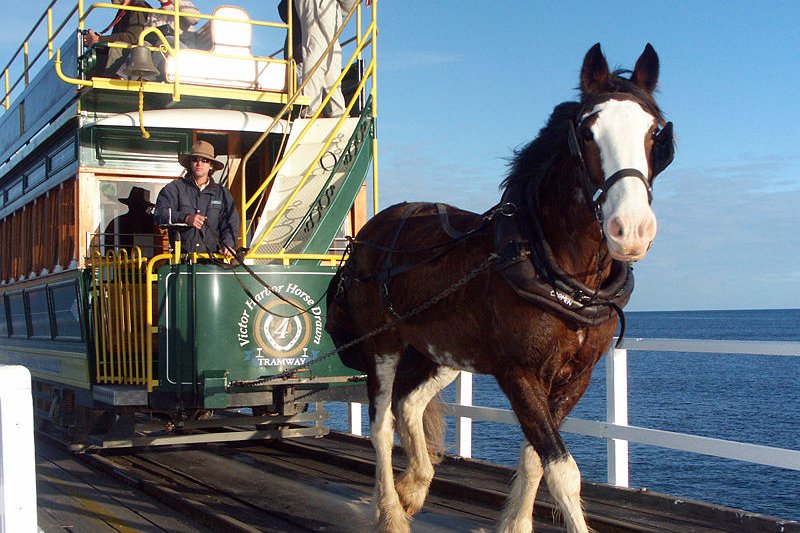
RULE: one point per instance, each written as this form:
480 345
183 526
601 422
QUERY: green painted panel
209 322
3 317
68 367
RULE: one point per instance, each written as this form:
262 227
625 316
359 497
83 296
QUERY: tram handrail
362 42
25 49
288 202
82 15
118 306
615 428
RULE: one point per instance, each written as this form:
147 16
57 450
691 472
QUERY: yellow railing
121 314
28 59
365 39
25 61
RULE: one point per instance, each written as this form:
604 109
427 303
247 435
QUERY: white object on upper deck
17 466
228 38
200 119
293 171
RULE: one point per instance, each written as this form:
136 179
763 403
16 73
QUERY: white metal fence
615 428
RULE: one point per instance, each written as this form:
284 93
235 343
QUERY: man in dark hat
135 227
198 209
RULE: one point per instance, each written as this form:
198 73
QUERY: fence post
464 425
617 413
17 462
354 418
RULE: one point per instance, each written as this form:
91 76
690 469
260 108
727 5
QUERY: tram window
39 313
14 190
16 314
63 157
126 216
113 144
65 311
36 176
3 317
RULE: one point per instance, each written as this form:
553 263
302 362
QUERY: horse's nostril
615 228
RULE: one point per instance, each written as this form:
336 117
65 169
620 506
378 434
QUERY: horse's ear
594 73
645 73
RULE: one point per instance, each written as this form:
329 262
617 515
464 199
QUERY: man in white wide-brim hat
196 200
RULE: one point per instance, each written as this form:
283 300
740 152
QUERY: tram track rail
299 485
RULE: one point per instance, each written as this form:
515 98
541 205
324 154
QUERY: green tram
130 342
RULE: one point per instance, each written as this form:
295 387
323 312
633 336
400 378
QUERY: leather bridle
661 155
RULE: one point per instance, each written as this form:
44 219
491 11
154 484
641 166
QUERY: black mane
532 160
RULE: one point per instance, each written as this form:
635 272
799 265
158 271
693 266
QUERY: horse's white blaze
628 221
564 481
518 513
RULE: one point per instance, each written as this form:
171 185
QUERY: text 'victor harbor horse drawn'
529 292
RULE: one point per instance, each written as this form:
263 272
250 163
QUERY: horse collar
527 265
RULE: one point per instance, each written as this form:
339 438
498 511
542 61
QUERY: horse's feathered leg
518 513
530 403
389 514
427 379
564 481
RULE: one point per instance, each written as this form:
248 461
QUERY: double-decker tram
132 340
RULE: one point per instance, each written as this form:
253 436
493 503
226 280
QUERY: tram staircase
315 188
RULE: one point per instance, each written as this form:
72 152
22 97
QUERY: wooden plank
73 497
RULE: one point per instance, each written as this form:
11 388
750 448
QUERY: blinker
663 150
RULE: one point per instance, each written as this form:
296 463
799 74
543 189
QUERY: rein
381 329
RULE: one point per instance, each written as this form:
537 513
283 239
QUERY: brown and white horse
529 292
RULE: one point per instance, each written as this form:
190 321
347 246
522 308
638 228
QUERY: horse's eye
587 135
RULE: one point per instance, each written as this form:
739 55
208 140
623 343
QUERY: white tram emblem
283 333
280 330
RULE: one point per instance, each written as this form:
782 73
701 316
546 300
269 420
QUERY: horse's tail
339 323
433 424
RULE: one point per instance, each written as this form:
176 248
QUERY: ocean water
754 399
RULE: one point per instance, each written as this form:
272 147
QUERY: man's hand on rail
90 38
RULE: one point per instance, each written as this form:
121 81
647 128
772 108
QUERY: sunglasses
200 160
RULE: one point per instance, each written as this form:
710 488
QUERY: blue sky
463 83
